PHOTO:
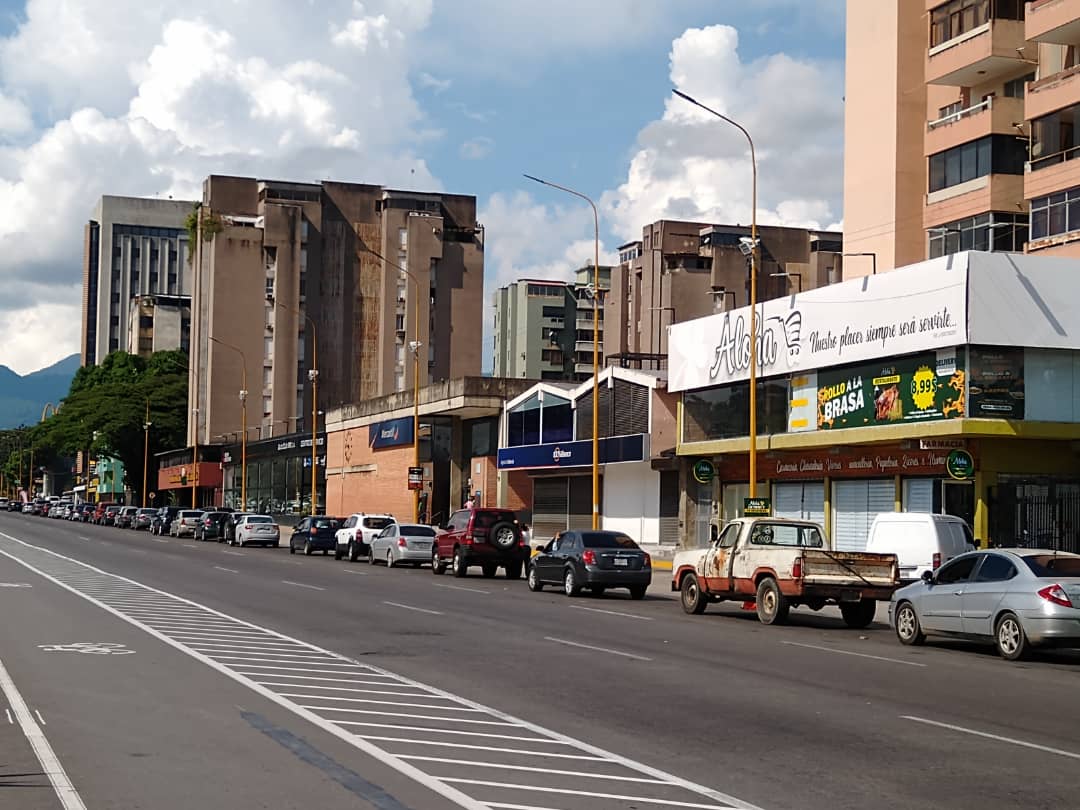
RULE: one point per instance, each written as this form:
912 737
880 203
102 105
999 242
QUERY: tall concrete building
296 277
684 270
134 248
961 129
544 329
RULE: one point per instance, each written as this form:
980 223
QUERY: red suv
99 511
486 537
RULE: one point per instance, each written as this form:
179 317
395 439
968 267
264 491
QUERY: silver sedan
402 543
1017 598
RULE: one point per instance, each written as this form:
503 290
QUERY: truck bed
848 569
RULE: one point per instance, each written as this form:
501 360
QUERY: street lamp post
596 348
243 420
313 375
146 449
754 249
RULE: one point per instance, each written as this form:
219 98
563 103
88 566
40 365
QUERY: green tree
105 409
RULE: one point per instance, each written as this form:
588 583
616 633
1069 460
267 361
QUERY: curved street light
313 375
243 419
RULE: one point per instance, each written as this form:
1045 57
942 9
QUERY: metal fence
1036 517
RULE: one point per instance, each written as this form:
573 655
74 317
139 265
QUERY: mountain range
23 397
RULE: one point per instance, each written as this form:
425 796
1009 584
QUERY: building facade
973 135
296 282
134 248
544 329
684 270
158 323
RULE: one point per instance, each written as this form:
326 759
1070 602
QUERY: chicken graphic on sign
791 327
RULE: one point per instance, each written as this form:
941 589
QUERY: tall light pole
243 420
414 345
595 350
146 450
754 247
313 375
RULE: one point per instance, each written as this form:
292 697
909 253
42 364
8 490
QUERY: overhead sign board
391 433
613 450
757 507
909 310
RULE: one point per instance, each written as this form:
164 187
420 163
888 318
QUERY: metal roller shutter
550 506
579 513
814 501
919 495
855 504
669 508
801 501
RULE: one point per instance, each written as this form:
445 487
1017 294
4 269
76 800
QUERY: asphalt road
255 678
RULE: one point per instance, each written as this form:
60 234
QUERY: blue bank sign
391 433
613 450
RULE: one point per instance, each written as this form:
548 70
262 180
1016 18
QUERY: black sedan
315 533
211 526
595 560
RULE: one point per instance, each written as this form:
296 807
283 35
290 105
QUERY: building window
554 312
994 231
723 413
268 348
403 238
268 377
954 19
994 154
267 404
1017 87
1056 214
1054 137
553 356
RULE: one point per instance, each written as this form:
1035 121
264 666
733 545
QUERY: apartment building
158 323
968 142
544 329
301 280
680 270
134 248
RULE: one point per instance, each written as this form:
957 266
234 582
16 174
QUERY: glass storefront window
724 413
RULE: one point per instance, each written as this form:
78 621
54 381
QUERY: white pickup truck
779 564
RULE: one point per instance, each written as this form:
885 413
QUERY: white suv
357 532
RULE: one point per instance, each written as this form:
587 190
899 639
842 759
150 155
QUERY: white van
921 541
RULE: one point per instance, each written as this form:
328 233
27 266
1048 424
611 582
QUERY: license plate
621 561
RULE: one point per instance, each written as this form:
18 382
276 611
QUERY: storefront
947 387
278 475
181 483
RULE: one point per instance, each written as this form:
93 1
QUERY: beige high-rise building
961 129
285 270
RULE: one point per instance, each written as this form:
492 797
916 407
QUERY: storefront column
458 474
828 508
898 496
983 482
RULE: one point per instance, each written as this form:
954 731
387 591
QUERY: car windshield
325 523
190 514
417 531
259 519
606 540
146 511
376 522
485 519
1051 566
784 534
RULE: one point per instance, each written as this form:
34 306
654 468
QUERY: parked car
210 526
489 538
259 529
4 504
28 508
596 560
315 533
921 542
780 564
125 516
83 512
229 527
160 523
15 505
1016 598
356 533
185 522
108 518
55 511
99 511
143 518
402 543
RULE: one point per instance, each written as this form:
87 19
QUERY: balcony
991 51
997 115
1054 92
1054 21
1059 172
993 192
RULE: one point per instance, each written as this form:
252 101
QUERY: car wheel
277 544
240 542
535 585
513 570
638 591
1010 638
570 583
438 567
390 559
693 600
772 605
908 629
370 554
489 571
353 553
307 548
292 548
458 565
337 552
859 614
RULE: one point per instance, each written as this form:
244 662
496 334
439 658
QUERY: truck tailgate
849 568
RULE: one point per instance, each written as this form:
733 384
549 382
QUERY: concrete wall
632 501
360 479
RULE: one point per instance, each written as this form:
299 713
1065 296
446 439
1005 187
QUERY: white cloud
433 82
15 117
476 148
21 331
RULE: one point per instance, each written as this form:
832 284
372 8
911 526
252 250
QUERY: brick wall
519 491
361 479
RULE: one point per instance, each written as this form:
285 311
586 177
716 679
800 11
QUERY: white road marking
446 744
582 774
313 678
158 540
643 799
345 688
278 657
39 717
857 654
613 612
190 545
15 585
234 553
230 570
377 702
358 671
65 791
10 720
412 716
997 737
459 588
227 645
354 571
420 610
83 537
302 585
448 731
598 649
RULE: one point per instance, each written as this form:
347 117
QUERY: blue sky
461 96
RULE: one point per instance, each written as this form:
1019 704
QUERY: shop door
551 503
855 504
579 514
669 508
958 498
800 501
